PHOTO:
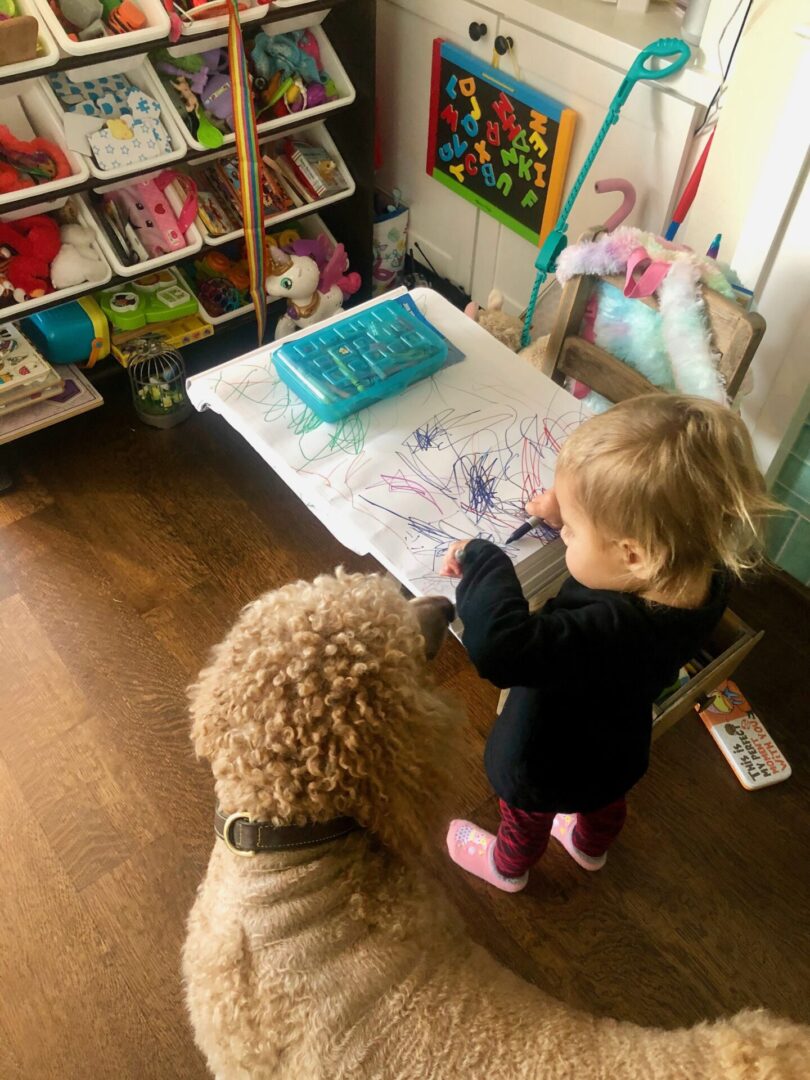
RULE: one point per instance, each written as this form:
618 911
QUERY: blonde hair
677 475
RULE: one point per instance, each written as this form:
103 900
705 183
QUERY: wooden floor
124 554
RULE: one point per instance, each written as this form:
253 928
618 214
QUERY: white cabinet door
647 147
443 224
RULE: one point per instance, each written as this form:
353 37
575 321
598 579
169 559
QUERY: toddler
659 503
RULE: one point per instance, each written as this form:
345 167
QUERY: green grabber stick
556 242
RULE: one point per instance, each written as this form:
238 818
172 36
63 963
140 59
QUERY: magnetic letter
458 172
483 153
470 125
538 144
450 89
467 86
470 165
509 157
529 199
450 116
538 122
539 180
493 133
505 183
475 109
521 143
446 151
524 168
488 174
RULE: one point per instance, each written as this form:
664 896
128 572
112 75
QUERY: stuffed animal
83 17
25 163
78 259
29 246
507 328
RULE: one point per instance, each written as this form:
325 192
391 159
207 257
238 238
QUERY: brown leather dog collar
245 837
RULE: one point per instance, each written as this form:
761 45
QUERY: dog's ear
434 614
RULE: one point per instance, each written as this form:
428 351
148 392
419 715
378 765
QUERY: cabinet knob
477 30
503 44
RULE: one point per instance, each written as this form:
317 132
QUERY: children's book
25 376
316 167
77 396
746 745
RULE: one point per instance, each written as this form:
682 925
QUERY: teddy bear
507 328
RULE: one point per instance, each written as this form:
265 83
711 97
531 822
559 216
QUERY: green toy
157 297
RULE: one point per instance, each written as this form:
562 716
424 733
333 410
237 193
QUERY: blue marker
526 527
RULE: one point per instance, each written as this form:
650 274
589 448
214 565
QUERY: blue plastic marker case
366 357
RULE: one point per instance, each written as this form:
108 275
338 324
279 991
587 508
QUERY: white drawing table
452 457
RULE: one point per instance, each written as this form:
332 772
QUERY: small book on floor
743 740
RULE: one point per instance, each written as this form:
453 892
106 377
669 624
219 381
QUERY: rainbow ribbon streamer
247 151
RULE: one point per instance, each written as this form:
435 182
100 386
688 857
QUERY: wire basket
157 377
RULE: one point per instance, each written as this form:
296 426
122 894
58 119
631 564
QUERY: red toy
28 247
24 164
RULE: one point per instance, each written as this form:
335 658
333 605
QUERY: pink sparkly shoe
562 830
472 848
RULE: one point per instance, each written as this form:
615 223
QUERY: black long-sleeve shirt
583 672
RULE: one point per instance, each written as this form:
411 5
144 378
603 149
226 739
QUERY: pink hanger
628 201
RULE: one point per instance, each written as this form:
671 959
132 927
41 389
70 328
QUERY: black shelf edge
67 63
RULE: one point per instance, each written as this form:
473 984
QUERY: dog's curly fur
342 961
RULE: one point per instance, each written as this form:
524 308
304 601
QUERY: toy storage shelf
350 27
273 14
33 198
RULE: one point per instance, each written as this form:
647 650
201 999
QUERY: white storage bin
33 102
317 133
309 227
140 74
252 13
157 26
329 58
84 218
48 52
194 240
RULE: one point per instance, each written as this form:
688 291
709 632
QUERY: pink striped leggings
523 836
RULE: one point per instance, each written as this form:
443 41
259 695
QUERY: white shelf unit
117 54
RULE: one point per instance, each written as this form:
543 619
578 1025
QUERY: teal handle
664 48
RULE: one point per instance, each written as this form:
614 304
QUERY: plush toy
507 328
83 18
78 259
29 246
670 345
291 54
18 39
25 163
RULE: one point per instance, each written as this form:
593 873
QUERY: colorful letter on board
533 133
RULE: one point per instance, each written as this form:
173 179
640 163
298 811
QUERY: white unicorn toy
314 285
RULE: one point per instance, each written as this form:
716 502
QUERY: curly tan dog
340 960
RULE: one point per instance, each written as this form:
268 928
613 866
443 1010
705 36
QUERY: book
25 375
271 166
77 396
316 167
294 183
743 739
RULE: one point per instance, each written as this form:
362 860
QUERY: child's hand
544 505
451 567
